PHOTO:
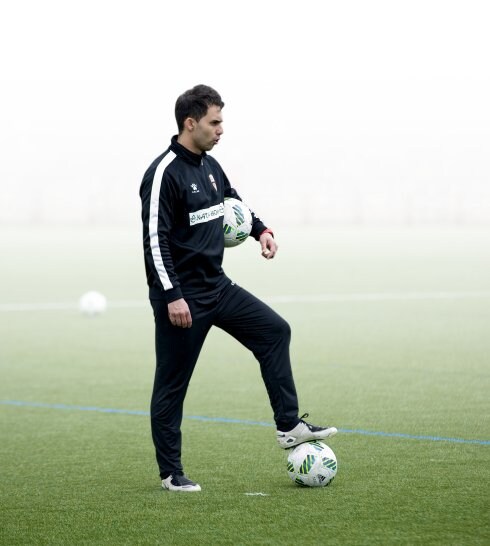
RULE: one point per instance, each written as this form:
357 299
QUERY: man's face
208 130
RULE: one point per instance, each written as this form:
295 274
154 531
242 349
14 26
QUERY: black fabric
189 206
247 319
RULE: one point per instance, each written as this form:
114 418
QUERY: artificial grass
85 478
374 369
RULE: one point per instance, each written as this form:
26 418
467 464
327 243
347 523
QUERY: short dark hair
194 103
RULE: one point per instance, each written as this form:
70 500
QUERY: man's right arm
159 197
178 310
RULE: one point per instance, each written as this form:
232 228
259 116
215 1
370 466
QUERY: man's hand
179 314
269 246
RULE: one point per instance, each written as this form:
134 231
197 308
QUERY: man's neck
184 140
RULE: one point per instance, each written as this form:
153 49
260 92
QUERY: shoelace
313 428
305 415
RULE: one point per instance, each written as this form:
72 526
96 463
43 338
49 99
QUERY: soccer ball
237 222
312 464
92 303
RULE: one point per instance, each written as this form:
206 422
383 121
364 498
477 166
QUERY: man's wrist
267 230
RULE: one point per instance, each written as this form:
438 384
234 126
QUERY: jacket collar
184 153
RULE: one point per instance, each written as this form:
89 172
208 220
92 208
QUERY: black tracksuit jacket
182 196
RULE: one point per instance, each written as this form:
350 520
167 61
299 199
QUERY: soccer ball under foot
312 464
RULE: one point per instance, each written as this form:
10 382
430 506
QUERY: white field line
305 298
380 296
70 306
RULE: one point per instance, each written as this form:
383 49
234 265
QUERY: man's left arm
260 232
268 244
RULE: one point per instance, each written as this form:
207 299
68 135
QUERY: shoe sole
190 489
332 431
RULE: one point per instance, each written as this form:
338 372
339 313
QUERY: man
189 291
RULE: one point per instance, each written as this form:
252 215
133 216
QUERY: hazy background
352 112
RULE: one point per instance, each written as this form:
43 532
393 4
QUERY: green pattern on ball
240 218
329 463
317 445
307 464
241 236
299 481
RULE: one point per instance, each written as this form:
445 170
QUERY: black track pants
248 320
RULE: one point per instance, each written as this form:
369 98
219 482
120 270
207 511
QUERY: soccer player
182 195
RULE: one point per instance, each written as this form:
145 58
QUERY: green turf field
391 344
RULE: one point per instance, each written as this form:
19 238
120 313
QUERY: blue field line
72 408
240 422
415 437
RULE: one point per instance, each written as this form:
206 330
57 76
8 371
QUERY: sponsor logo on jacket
206 215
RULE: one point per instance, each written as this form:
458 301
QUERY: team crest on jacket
194 188
211 179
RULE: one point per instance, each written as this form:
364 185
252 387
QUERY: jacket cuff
257 229
173 294
267 230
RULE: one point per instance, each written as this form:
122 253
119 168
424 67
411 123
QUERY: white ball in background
92 303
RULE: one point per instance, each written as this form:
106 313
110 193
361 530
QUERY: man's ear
190 124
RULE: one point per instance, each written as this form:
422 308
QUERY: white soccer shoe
303 432
178 482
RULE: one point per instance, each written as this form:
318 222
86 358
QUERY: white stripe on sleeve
153 223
